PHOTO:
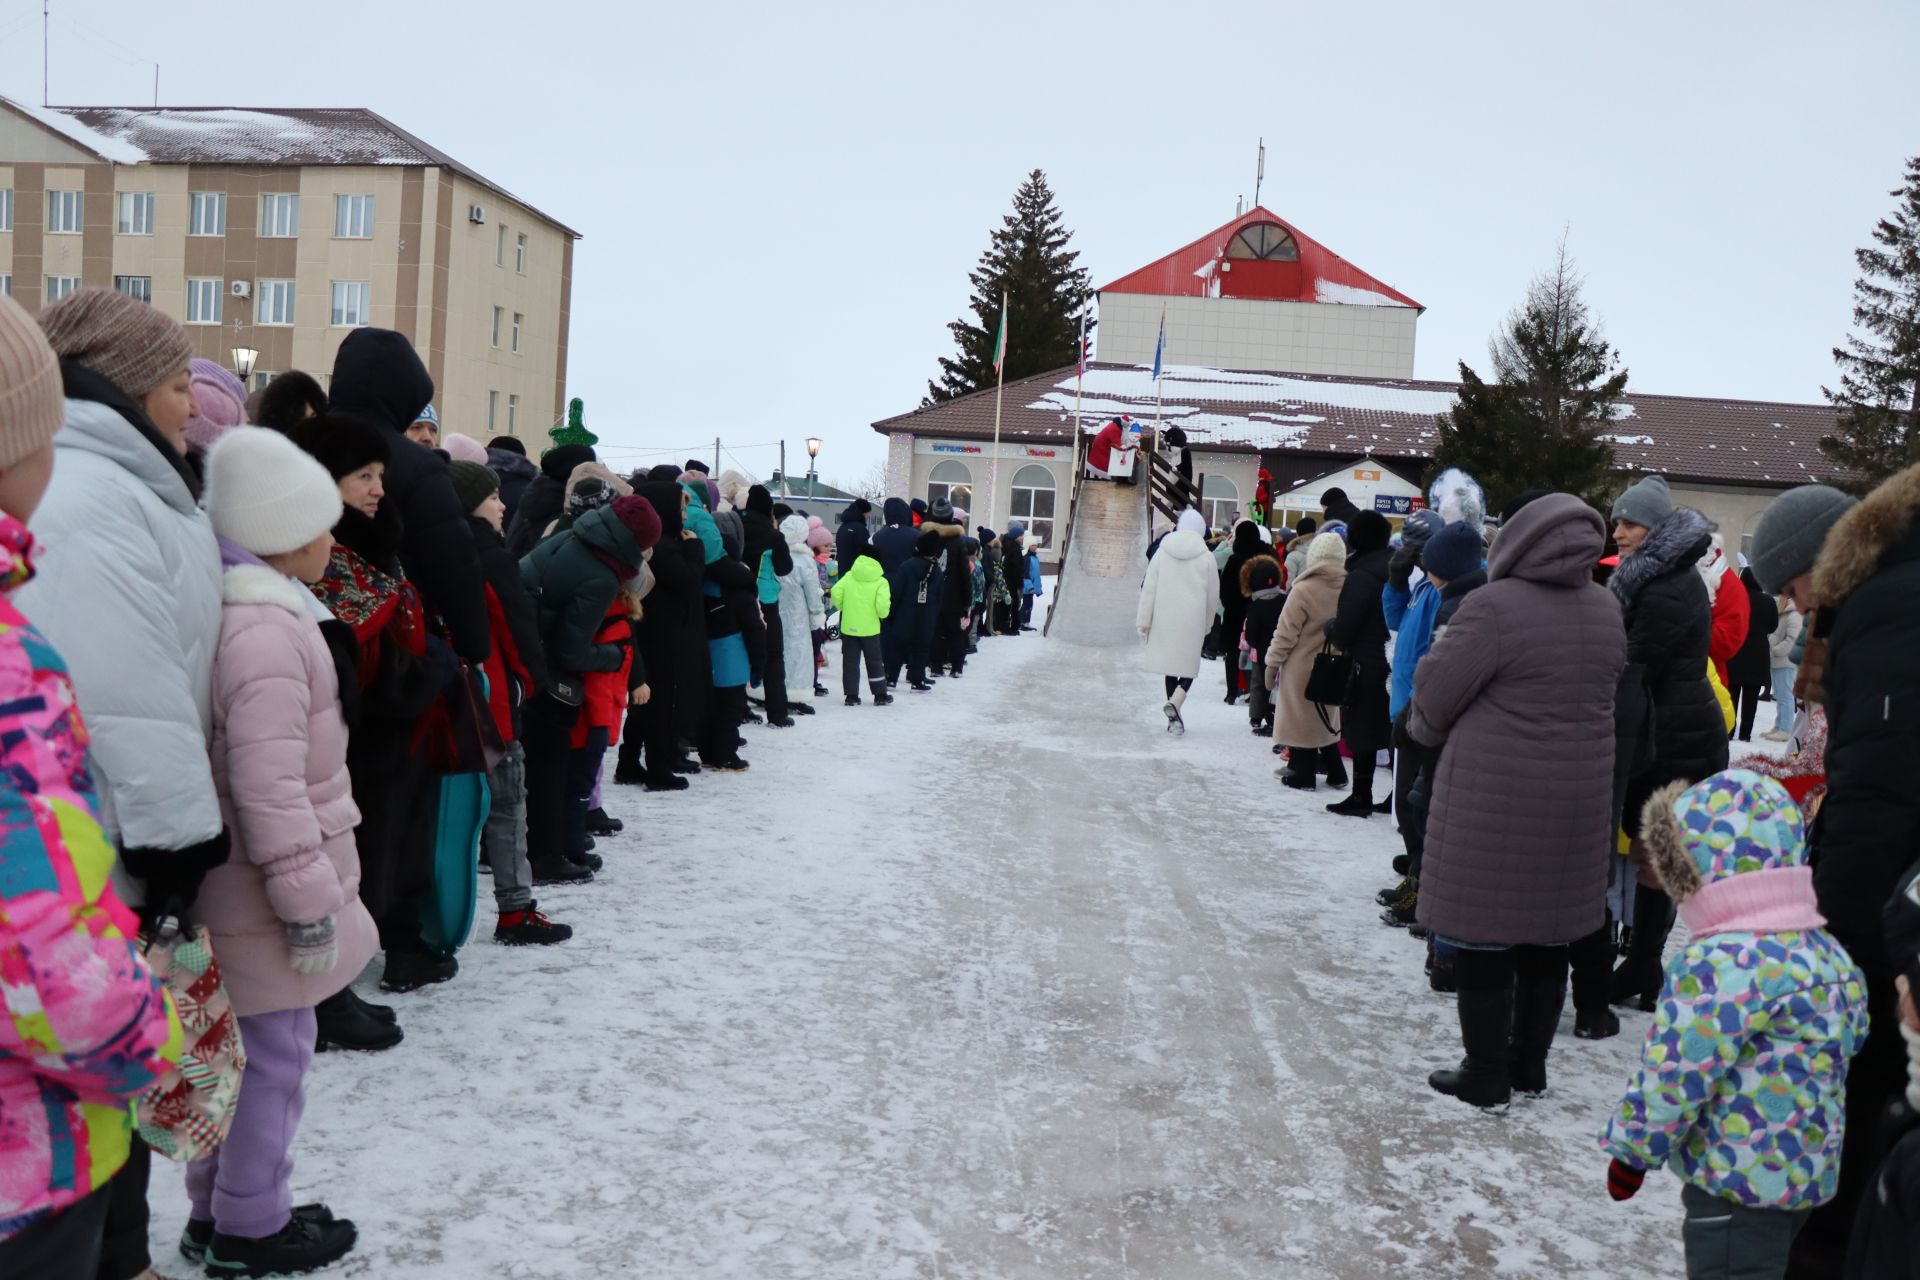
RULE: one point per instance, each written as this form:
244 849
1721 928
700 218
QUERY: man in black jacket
545 496
763 541
673 642
378 378
1359 628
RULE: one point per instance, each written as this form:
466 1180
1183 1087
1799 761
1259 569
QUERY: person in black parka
1260 583
763 543
915 585
949 655
545 496
1247 544
672 636
852 536
516 472
1359 627
1750 669
378 378
1669 622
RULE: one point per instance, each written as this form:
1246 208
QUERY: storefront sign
1360 474
1389 505
957 448
1042 453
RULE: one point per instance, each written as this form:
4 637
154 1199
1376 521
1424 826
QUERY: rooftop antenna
1260 172
46 19
1239 205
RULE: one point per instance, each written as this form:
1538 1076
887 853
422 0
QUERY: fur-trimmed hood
1862 537
1676 542
1731 850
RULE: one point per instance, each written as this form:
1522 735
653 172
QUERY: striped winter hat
134 346
32 402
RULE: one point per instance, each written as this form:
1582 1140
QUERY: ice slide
1098 590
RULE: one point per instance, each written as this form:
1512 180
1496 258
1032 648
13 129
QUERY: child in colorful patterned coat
1742 1083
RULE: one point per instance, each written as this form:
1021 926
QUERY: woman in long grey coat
1177 604
1519 691
1298 638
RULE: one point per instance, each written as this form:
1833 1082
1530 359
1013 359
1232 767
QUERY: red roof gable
1316 274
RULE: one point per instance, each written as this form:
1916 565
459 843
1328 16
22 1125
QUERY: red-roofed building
1259 293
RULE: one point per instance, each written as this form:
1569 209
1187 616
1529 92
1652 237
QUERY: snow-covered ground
1000 981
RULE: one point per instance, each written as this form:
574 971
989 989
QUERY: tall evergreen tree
1878 432
1027 258
1542 423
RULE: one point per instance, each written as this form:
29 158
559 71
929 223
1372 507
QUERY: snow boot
1400 913
198 1235
559 871
1354 806
733 765
412 970
1601 1024
629 775
881 697
799 709
820 691
599 824
1393 893
529 928
1175 724
921 686
853 700
1295 778
1337 775
1485 1003
685 764
1591 961
303 1245
1540 993
347 1022
671 782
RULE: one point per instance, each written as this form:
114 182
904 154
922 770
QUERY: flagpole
1159 378
1079 387
999 388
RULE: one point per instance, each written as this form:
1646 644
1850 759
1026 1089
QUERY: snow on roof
1352 295
1761 444
104 145
1314 273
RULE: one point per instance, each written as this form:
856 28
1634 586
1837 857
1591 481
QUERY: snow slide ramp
1098 591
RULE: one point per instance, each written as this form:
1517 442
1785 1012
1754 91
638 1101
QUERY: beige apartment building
280 231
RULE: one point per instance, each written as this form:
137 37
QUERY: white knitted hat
266 494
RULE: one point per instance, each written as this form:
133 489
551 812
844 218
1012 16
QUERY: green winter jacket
572 589
863 598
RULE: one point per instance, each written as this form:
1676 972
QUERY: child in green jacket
863 599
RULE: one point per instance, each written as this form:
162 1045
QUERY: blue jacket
1033 576
1410 618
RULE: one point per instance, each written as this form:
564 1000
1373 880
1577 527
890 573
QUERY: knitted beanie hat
1327 549
642 521
1454 552
1646 503
819 536
134 346
472 482
1792 530
1420 526
32 401
463 448
221 399
266 494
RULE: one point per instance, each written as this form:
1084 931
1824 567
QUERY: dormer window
1264 242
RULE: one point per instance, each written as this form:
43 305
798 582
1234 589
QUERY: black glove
1400 566
172 877
445 661
1401 738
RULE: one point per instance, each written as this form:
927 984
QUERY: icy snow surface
1352 295
1000 981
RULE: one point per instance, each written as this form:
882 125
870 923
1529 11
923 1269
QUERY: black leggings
1747 698
1178 682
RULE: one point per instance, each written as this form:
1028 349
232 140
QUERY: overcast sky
781 202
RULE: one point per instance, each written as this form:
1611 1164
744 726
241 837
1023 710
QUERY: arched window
1032 505
950 480
1219 502
1264 242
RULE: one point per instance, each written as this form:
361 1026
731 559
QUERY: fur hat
288 399
32 400
264 494
510 443
642 521
221 399
927 544
694 464
558 462
1454 552
1369 531
134 346
342 445
463 448
472 482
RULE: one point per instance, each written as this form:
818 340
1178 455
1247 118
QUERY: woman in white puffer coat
1177 604
803 611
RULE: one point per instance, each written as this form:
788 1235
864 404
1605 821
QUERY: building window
203 299
140 287
207 213
1219 502
260 379
500 246
135 216
1264 242
520 253
59 287
1033 491
6 208
64 213
950 480
493 409
6 285
518 320
353 217
280 216
350 303
273 302
499 313
513 413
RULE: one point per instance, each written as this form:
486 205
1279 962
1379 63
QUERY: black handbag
1330 682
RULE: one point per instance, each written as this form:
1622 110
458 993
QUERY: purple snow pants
245 1188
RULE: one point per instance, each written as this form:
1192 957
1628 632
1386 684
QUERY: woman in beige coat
1297 640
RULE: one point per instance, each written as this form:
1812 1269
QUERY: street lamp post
813 458
244 358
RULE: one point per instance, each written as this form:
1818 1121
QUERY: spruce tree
1878 431
1027 258
1543 422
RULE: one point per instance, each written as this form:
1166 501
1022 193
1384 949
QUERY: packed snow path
1000 981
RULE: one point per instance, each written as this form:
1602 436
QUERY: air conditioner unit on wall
476 214
241 289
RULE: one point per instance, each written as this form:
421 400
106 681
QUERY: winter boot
1591 959
303 1245
780 722
198 1235
685 764
881 697
1599 1024
529 928
599 824
1400 912
628 775
1298 779
920 686
1337 774
412 970
1175 724
1393 893
733 765
671 782
1485 1002
347 1022
559 871
1354 806
853 700
1540 993
799 709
